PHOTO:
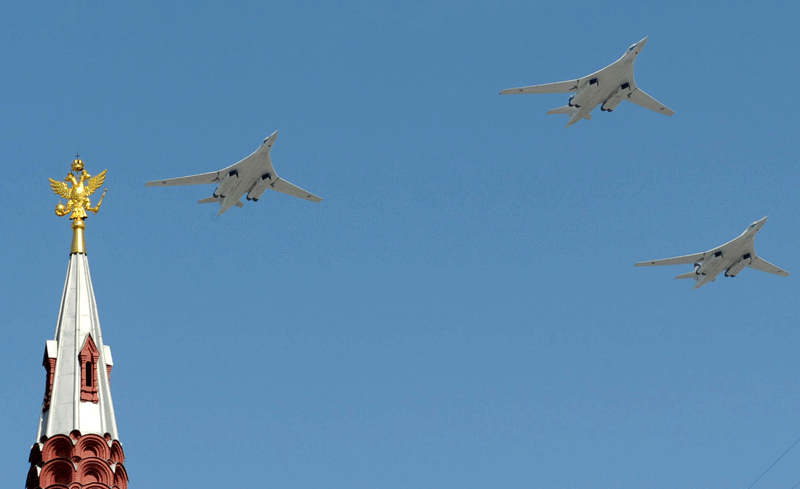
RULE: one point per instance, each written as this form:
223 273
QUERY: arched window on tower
88 359
88 374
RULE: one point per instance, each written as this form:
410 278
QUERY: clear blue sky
462 309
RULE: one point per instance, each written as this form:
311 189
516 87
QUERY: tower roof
79 391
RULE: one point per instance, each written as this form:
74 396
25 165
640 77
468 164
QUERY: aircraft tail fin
217 200
686 275
562 110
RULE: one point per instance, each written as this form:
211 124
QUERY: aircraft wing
558 87
678 260
287 188
203 178
765 266
639 97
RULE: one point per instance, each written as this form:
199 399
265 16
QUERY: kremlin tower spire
77 443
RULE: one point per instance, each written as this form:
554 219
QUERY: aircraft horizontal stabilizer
562 110
686 275
217 200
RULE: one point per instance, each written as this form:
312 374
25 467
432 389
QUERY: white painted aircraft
253 175
731 257
609 87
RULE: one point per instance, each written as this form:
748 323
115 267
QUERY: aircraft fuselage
608 86
731 258
241 181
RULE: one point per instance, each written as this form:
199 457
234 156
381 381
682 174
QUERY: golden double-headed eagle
78 195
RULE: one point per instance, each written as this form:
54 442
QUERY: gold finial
78 200
77 163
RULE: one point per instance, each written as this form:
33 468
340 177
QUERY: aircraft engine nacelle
584 94
738 266
616 98
228 182
260 186
708 264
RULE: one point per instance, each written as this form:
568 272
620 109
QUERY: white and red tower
77 443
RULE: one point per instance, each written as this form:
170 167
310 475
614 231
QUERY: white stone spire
78 363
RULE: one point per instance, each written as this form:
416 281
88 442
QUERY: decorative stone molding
117 456
95 470
120 477
32 481
92 447
58 472
59 446
77 462
35 458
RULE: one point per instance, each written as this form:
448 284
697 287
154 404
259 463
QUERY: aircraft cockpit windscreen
631 48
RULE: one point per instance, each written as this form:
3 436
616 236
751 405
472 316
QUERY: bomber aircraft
253 175
609 87
731 258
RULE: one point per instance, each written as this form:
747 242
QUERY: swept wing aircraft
253 175
609 87
732 258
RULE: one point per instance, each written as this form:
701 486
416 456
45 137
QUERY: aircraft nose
759 224
643 42
272 136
